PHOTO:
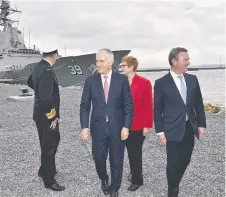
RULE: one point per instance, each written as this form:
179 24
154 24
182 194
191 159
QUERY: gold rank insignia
51 114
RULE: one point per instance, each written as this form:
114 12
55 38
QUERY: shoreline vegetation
214 108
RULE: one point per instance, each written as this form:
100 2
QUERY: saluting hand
85 134
124 133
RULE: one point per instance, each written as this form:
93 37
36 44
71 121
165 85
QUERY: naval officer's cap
50 52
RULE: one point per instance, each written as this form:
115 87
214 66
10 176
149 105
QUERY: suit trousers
49 140
134 145
115 147
179 156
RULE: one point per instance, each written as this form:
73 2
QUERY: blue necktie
183 89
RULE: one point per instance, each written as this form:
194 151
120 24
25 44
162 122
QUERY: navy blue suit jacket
119 107
170 110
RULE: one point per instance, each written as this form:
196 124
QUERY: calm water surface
212 83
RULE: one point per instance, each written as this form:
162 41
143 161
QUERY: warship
17 61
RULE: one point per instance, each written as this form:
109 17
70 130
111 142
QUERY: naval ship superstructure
17 61
14 55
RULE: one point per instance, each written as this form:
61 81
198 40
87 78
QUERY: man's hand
85 134
124 133
201 132
146 131
54 124
162 138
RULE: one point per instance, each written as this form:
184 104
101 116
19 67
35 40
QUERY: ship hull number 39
75 70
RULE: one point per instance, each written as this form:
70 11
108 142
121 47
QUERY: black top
44 83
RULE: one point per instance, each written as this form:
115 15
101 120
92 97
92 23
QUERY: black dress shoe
133 187
105 187
55 187
173 192
114 194
41 175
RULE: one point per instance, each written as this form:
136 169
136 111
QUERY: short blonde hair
131 61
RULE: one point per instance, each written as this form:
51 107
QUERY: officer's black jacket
47 98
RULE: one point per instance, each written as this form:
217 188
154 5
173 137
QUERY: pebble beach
20 156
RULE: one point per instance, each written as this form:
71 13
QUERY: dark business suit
170 117
47 101
107 135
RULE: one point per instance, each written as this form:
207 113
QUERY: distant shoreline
167 69
16 88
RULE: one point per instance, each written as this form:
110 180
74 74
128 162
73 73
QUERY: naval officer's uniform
46 110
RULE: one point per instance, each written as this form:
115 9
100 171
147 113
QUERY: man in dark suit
178 116
111 118
46 116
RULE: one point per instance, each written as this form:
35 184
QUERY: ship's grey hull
70 70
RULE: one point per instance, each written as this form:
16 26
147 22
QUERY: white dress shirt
177 82
108 79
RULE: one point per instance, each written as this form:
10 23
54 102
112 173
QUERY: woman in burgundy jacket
142 120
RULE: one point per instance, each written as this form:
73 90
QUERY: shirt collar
135 77
109 74
175 75
48 62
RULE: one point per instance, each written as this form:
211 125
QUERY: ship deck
6 80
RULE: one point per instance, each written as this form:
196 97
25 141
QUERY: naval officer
46 116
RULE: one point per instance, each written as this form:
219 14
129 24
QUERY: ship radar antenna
18 22
17 17
5 11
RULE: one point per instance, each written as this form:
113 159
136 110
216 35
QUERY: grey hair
109 53
174 54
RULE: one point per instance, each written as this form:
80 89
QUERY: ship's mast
5 11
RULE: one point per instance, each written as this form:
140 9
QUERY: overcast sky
148 28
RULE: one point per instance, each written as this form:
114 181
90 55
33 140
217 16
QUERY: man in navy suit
178 115
111 119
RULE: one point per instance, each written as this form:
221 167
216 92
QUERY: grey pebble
20 156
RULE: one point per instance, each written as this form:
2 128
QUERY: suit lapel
175 89
101 89
188 85
111 88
